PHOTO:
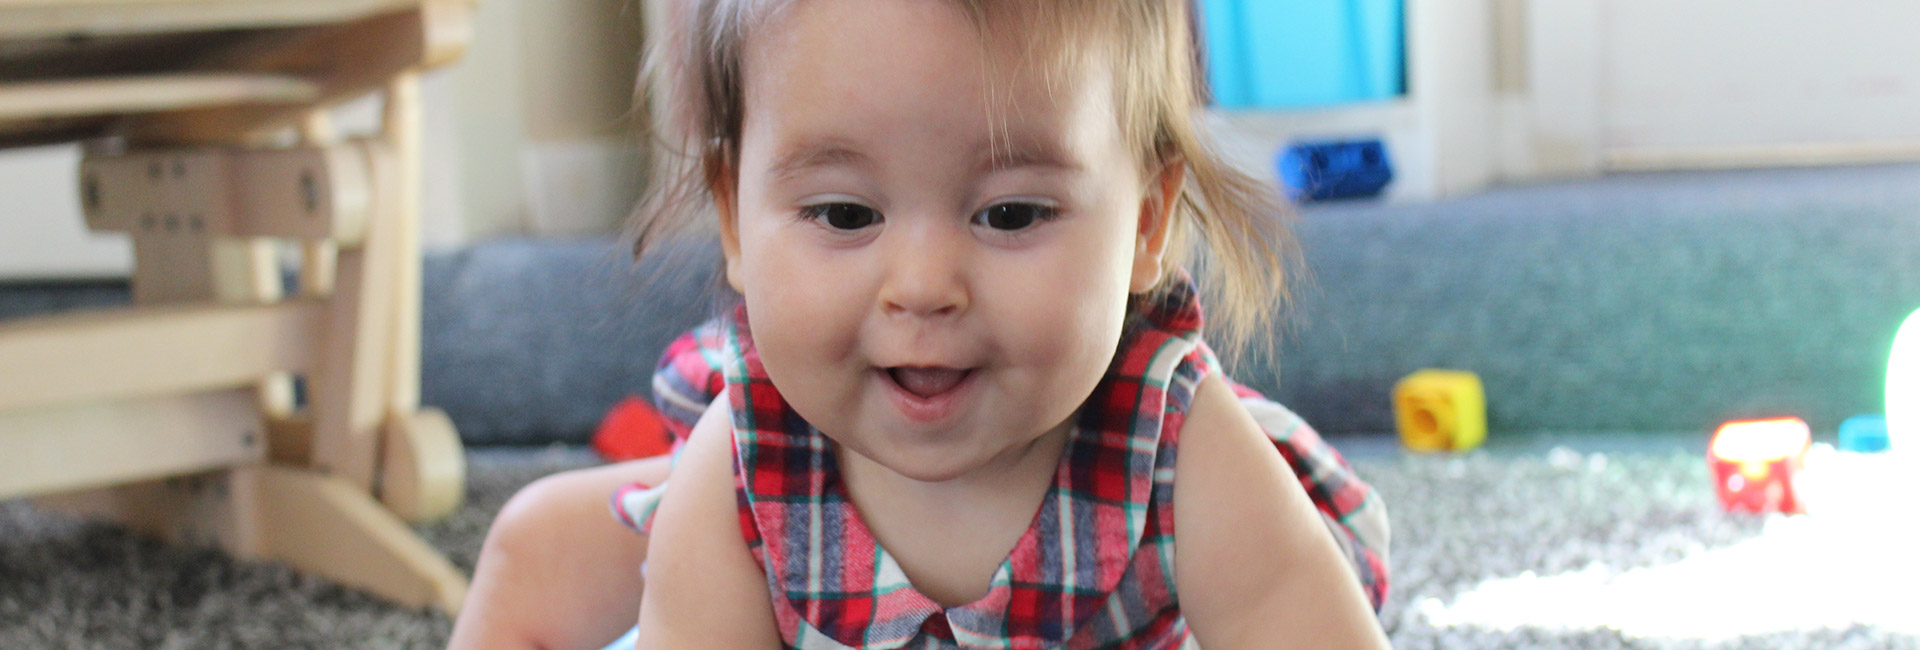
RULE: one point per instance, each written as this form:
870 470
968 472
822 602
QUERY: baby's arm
1254 565
557 570
703 588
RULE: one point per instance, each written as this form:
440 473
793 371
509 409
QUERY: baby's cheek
1071 344
807 312
803 370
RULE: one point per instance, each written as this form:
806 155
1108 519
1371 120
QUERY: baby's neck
950 536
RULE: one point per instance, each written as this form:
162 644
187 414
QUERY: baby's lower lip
926 408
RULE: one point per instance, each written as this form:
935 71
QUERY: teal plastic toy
1866 434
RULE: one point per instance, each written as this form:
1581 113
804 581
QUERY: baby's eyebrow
1023 152
1005 154
812 155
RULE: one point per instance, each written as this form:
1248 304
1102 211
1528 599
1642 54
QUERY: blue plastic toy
1318 171
1865 434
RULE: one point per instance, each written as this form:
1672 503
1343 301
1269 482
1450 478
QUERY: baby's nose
926 275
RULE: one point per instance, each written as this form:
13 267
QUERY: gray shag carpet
1458 522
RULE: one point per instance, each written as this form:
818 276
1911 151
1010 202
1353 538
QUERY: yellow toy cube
1440 410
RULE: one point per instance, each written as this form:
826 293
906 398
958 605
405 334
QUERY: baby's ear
721 186
1157 211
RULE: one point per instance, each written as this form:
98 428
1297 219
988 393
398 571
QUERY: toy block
1320 171
632 429
1866 434
1440 410
1755 462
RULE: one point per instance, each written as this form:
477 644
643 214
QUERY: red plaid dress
1095 570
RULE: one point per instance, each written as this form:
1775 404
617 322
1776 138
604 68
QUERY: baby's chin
922 463
942 459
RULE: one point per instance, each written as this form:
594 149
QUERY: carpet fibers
1494 550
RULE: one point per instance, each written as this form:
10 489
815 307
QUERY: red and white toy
632 429
1754 463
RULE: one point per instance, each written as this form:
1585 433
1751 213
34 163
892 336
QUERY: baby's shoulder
1215 412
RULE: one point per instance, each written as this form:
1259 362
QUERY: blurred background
1654 197
532 132
1632 220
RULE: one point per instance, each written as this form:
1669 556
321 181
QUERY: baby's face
932 293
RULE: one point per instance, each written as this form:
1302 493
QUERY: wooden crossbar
38 18
149 94
96 445
144 351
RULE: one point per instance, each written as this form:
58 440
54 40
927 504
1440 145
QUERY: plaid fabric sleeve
685 381
633 505
689 377
1351 509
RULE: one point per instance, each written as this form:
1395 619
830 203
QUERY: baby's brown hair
1229 227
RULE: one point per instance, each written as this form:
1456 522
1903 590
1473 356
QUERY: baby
966 372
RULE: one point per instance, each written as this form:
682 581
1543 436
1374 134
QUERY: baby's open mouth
927 381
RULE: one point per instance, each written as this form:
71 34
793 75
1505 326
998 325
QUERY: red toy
632 429
1754 463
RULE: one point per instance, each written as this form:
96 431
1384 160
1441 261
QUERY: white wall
530 132
41 233
1654 84
1709 82
1450 76
546 101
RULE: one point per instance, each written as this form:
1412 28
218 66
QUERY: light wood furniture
206 137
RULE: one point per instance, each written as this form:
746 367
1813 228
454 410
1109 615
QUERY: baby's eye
1014 216
842 216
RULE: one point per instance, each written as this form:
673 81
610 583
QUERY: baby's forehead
837 67
1020 54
